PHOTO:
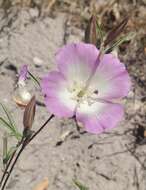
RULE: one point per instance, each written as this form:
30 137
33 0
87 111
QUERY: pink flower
93 103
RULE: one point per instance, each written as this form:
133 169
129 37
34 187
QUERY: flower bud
91 31
113 34
29 115
22 95
23 75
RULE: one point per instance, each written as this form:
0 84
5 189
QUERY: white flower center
77 93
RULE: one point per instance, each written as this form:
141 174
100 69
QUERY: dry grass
45 4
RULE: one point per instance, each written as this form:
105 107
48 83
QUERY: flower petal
57 97
77 60
99 116
23 73
111 79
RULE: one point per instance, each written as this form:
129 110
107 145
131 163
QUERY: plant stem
25 143
40 129
11 169
7 167
10 161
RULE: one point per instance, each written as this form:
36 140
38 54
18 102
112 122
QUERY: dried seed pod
115 32
29 115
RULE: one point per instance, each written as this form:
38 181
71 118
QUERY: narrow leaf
80 186
9 154
11 121
100 31
4 123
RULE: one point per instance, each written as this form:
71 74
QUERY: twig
25 143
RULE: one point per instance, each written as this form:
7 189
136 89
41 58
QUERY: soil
31 33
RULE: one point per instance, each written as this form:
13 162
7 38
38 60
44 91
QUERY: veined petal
111 79
76 61
99 116
57 97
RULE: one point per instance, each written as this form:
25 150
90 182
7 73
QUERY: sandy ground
104 162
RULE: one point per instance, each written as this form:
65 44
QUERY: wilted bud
22 95
91 31
29 115
115 32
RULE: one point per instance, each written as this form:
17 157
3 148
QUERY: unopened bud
91 31
29 115
22 96
113 34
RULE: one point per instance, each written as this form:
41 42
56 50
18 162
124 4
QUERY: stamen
96 92
81 94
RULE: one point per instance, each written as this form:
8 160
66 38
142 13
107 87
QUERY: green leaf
10 124
4 123
12 131
10 118
17 135
80 186
9 154
100 32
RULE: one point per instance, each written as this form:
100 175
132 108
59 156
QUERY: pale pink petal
99 117
57 97
111 79
23 73
77 60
